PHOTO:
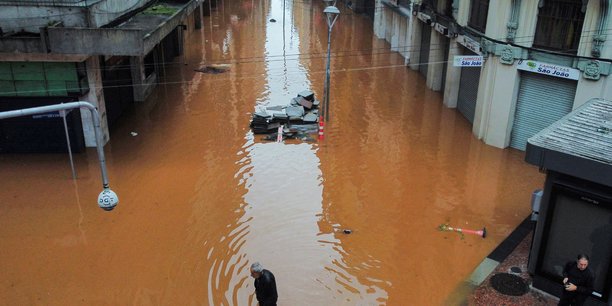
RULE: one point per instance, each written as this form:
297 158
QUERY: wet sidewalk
502 278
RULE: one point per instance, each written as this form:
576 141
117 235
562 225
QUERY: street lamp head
332 13
108 199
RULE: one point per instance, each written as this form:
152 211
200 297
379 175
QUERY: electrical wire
517 39
315 56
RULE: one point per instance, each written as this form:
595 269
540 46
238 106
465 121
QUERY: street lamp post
332 13
107 199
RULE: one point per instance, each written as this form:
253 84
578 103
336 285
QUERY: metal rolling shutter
424 53
541 101
468 92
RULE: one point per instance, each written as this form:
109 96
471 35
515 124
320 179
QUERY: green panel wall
38 78
31 88
28 71
6 73
57 88
7 88
61 71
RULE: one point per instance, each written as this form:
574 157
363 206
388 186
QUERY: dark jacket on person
583 279
265 289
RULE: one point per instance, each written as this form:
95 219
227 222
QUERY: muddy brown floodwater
202 197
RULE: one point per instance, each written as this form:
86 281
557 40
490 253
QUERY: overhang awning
579 144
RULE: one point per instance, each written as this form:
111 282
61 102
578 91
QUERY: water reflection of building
576 209
542 58
109 53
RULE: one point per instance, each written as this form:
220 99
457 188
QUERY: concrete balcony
134 36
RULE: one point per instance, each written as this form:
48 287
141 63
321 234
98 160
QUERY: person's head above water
256 269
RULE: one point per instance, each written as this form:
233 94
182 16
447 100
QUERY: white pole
63 115
107 199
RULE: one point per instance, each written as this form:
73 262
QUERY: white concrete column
403 28
409 35
137 69
95 96
388 20
379 16
495 107
436 60
606 51
463 13
589 89
395 31
607 86
453 76
497 19
589 29
528 19
415 55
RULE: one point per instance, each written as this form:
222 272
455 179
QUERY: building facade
106 52
540 59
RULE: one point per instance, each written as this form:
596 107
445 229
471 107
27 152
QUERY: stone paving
486 295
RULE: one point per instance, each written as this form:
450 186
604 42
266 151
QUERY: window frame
479 11
555 27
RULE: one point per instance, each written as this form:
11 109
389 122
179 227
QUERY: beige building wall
499 83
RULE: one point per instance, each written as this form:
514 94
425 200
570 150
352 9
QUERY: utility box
536 199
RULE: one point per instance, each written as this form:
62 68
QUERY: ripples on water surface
202 198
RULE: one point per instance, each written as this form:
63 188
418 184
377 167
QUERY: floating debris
445 227
347 231
133 133
214 68
272 20
298 119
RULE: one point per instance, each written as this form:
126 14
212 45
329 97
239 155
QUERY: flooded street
202 198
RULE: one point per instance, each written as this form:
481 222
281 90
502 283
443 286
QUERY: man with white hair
578 282
265 285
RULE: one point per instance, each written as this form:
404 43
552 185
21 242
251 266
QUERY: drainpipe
107 199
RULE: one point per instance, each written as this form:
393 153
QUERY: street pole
326 88
107 199
332 13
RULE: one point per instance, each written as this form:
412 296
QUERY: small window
559 26
478 15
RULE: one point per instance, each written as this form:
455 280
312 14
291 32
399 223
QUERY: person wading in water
265 285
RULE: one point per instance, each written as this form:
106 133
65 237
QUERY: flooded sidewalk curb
509 258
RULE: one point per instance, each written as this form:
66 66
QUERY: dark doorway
42 133
117 83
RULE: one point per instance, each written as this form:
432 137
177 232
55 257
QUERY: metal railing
48 2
